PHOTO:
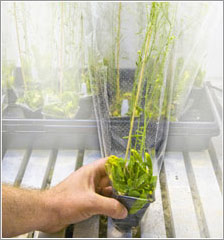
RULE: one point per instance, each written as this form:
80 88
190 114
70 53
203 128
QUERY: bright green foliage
133 177
32 98
64 107
7 74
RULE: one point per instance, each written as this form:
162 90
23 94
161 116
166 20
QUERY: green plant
8 77
61 99
61 62
133 178
84 73
118 54
22 60
32 98
64 106
150 72
133 174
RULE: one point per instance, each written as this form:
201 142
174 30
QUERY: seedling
133 178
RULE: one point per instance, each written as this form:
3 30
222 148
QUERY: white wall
215 47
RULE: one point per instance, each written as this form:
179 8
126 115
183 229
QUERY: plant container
192 132
85 110
197 125
29 113
132 220
11 96
13 111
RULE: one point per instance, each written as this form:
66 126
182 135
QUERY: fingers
99 167
104 182
107 191
109 207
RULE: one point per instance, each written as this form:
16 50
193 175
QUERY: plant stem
118 55
81 47
156 91
19 47
61 48
138 90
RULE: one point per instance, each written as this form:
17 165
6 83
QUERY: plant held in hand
133 178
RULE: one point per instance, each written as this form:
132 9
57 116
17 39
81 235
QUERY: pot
13 111
85 110
11 96
132 220
29 113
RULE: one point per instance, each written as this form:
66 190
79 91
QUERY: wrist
50 212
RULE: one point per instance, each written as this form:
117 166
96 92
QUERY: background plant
8 76
31 95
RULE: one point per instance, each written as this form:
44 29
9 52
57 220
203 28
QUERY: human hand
81 195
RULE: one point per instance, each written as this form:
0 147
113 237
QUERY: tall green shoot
118 53
19 46
148 37
61 49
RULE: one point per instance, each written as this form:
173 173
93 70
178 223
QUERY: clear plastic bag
115 75
144 59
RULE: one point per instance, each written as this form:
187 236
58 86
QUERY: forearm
23 211
73 200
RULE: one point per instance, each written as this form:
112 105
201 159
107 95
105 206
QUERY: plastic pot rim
115 194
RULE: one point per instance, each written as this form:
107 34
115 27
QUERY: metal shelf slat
90 227
182 206
209 192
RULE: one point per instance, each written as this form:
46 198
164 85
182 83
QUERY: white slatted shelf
184 217
217 143
36 169
216 155
90 227
209 192
11 165
87 229
66 163
181 202
13 162
112 232
153 223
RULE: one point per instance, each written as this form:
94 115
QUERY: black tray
197 125
188 134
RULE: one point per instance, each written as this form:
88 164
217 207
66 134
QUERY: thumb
110 207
